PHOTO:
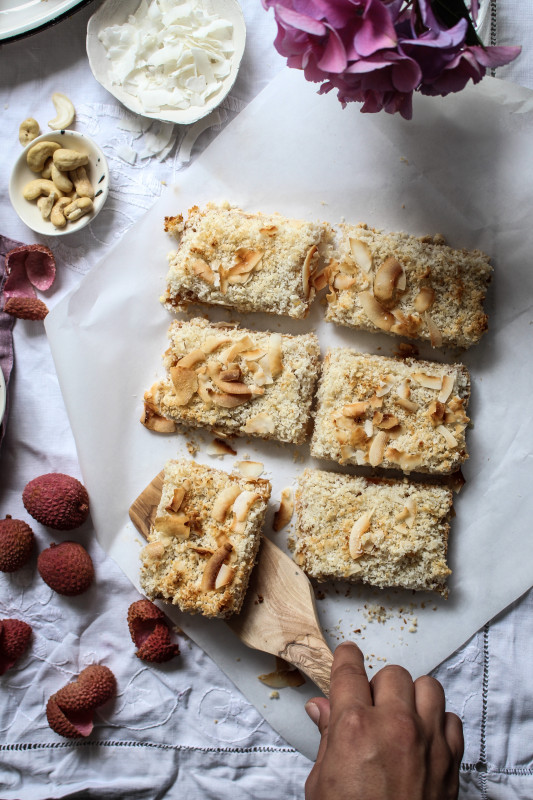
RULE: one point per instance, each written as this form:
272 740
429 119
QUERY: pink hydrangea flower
378 52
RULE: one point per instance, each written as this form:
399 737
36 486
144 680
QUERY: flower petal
334 56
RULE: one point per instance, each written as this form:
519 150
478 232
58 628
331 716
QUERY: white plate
20 18
116 12
97 170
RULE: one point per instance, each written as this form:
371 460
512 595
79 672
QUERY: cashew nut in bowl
61 180
82 183
37 155
39 186
28 130
45 204
47 170
77 209
67 160
65 112
57 216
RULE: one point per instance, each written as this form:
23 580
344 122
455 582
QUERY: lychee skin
26 308
15 637
57 501
70 710
67 568
150 633
16 544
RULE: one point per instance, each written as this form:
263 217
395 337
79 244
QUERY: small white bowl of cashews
59 183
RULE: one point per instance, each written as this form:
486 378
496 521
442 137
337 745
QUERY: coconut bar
235 382
249 262
395 414
204 539
403 285
386 533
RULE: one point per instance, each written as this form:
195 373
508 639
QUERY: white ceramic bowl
116 12
97 171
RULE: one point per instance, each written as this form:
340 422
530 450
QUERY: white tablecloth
180 728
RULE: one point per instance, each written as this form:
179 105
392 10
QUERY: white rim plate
20 18
116 12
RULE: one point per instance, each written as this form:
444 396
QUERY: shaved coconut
250 469
361 253
170 55
243 504
359 527
447 386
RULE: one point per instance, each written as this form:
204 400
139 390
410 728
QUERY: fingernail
312 711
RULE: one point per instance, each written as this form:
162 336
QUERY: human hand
385 739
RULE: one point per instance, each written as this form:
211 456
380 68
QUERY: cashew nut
82 183
28 130
60 179
66 160
65 112
78 208
47 171
38 154
39 186
57 217
45 204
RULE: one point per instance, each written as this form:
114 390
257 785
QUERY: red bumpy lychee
15 637
57 500
16 544
70 711
150 632
67 568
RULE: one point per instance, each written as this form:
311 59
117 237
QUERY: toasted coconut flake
436 413
177 500
233 374
375 401
377 448
274 355
174 525
230 354
428 381
387 422
435 334
347 452
185 382
424 299
212 343
410 461
369 428
225 576
283 515
229 387
243 503
270 230
212 568
448 382
247 259
261 423
191 358
250 469
385 387
456 481
155 422
409 405
403 529
412 509
282 678
386 279
342 282
219 448
229 400
403 389
361 253
379 316
253 355
320 281
307 269
202 269
359 527
153 551
356 410
224 501
451 441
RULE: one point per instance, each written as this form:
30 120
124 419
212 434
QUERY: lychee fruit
14 640
26 308
16 544
150 632
67 568
70 711
57 500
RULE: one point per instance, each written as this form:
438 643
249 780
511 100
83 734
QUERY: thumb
318 710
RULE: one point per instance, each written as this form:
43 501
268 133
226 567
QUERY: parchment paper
463 167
